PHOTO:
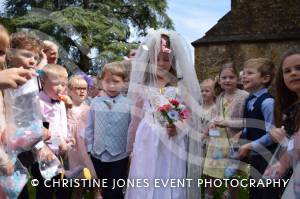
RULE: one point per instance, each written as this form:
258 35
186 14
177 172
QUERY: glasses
80 88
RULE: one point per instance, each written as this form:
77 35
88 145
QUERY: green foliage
80 25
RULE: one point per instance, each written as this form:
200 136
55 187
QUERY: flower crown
163 46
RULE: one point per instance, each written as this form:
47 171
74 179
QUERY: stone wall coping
246 38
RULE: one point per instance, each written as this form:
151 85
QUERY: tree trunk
85 62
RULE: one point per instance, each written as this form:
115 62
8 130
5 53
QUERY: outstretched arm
14 77
136 116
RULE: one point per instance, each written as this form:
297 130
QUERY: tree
82 25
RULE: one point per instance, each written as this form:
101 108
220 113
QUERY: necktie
251 96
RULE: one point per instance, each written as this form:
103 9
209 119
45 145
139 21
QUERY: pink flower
163 46
174 102
165 108
184 114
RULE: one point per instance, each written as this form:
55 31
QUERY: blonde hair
54 70
264 66
4 42
76 80
50 44
4 38
209 82
115 68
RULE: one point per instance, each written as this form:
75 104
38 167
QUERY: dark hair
284 97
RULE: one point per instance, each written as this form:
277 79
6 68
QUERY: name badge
214 133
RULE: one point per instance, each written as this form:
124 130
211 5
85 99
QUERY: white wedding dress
155 154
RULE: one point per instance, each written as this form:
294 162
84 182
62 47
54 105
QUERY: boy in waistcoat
259 119
106 130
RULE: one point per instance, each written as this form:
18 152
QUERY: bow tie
55 101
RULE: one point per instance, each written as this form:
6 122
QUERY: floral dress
217 157
217 150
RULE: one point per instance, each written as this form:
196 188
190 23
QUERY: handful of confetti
13 185
23 117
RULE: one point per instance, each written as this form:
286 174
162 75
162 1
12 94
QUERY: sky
193 18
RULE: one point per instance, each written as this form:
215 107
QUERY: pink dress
2 127
77 118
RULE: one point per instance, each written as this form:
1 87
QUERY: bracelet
39 145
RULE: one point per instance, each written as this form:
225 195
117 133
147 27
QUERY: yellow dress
216 159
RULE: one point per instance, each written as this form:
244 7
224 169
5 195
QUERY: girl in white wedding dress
163 70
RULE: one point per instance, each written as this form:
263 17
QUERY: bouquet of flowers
172 112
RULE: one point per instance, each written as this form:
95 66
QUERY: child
101 92
6 165
54 81
49 54
24 53
209 110
9 78
287 117
209 97
106 130
162 70
77 118
230 106
51 51
258 115
93 88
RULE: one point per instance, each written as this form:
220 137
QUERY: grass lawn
87 195
243 193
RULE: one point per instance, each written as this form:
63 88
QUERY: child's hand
14 77
46 135
276 171
212 125
67 100
205 134
43 61
9 168
236 138
63 147
278 134
244 150
221 123
45 154
297 144
71 141
171 130
2 138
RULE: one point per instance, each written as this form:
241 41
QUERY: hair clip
40 72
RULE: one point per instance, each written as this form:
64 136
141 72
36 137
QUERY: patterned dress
217 157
